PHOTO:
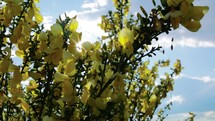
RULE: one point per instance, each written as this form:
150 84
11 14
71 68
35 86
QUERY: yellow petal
60 102
67 56
193 26
25 76
75 36
73 25
158 25
43 36
57 56
86 94
185 7
174 2
20 53
56 29
36 1
109 73
128 49
153 99
87 46
100 103
38 17
4 65
125 35
16 33
12 68
24 105
68 92
70 68
47 118
57 42
35 75
58 77
17 76
96 111
175 22
175 13
33 85
198 12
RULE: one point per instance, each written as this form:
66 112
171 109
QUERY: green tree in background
110 79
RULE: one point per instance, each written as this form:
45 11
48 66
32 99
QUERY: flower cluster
109 79
185 13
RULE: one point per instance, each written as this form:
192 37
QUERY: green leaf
144 11
164 3
154 3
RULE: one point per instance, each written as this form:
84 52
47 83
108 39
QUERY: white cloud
102 2
177 117
205 79
189 42
48 21
71 13
88 26
94 10
90 5
91 31
95 4
185 42
199 116
176 99
209 114
174 77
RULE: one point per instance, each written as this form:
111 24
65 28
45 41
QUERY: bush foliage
110 79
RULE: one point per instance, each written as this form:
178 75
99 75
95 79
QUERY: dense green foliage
110 79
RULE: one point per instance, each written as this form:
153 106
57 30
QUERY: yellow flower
37 15
100 103
73 25
125 36
174 2
193 26
86 94
58 77
68 92
87 46
128 49
23 104
20 53
56 29
4 65
3 97
56 42
197 12
153 98
43 36
70 68
175 22
33 85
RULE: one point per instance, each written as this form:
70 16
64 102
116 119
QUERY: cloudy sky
194 88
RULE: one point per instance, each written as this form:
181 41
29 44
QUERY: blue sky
194 88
